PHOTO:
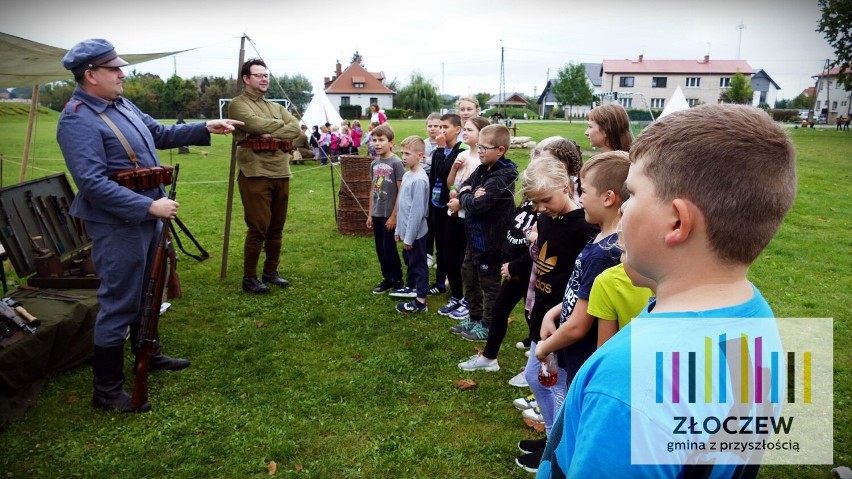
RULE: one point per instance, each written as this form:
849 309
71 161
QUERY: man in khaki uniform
263 157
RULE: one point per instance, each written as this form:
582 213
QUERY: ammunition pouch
267 144
138 179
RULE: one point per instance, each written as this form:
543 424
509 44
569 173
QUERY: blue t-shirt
592 432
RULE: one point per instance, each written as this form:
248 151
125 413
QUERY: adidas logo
543 264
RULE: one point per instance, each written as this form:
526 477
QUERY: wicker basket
352 223
354 195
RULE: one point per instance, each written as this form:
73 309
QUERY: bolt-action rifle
151 310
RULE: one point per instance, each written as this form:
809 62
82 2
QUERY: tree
739 90
56 95
483 98
834 24
571 87
357 58
297 88
419 95
144 90
802 102
394 85
178 94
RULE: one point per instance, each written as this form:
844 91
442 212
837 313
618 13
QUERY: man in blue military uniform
101 133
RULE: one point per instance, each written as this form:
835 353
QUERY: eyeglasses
260 75
483 149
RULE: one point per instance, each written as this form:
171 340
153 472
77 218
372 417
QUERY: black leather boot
108 372
159 361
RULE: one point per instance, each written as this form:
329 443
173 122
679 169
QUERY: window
344 100
692 102
658 82
724 82
626 102
626 82
359 85
658 102
818 104
834 106
693 82
374 101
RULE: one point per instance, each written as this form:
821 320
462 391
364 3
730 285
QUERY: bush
642 115
785 115
350 112
398 113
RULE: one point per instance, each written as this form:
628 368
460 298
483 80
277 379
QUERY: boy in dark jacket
488 198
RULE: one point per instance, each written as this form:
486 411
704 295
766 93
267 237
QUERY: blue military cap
92 53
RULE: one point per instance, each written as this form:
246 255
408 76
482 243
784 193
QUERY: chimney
706 58
337 70
640 58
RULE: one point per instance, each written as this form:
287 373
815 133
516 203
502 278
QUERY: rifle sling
204 254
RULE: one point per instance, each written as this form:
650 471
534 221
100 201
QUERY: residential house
765 88
356 86
644 84
832 98
512 99
547 100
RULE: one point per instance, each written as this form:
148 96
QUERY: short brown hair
498 134
479 123
415 143
610 170
453 118
615 124
733 162
384 130
246 68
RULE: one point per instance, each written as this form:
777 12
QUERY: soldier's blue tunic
123 233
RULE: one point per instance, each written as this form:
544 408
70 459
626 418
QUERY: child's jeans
549 399
386 250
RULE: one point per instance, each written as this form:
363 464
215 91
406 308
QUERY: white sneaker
527 353
430 261
533 414
164 306
524 403
519 380
479 362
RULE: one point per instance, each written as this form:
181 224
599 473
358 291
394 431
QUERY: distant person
386 173
707 237
301 147
467 108
314 141
609 128
377 115
122 221
357 136
411 226
264 146
433 129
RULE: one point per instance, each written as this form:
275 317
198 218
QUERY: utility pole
740 27
501 95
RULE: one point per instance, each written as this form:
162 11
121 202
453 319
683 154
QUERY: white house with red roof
645 83
832 98
356 86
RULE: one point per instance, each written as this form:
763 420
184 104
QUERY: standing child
357 135
609 128
334 143
445 154
386 173
325 142
433 129
602 191
411 225
695 240
562 232
345 141
488 198
315 142
618 295
371 150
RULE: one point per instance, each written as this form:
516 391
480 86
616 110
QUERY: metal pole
30 121
229 205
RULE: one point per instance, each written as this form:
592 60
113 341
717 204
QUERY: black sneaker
529 462
383 287
437 288
254 286
405 292
532 445
412 306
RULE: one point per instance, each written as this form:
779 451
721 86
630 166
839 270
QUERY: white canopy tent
677 102
320 110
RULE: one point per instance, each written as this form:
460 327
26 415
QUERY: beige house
832 99
356 86
644 84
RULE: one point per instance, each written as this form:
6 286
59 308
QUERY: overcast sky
456 45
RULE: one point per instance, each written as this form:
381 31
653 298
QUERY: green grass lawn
326 379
